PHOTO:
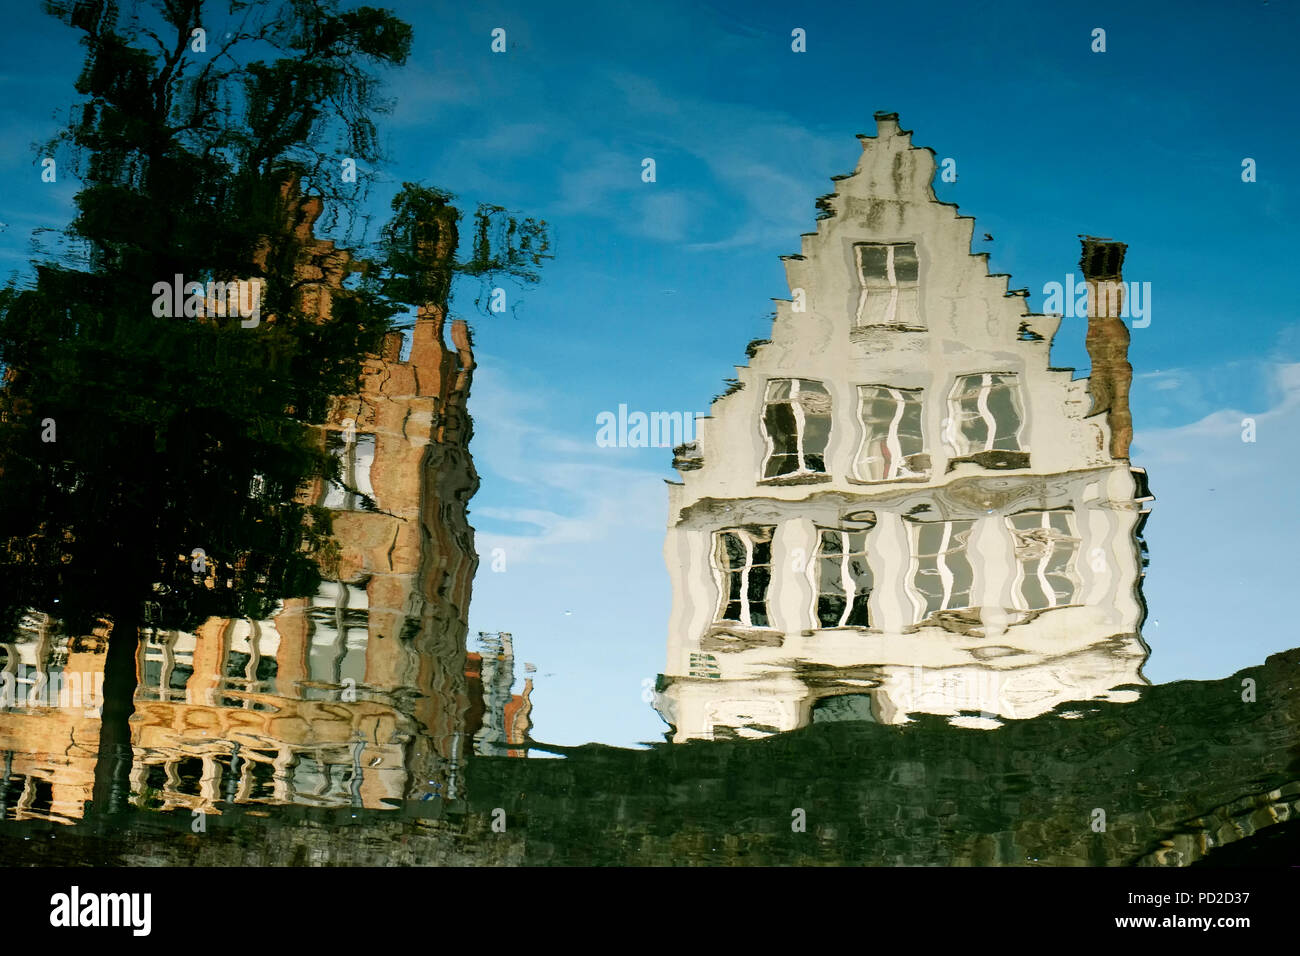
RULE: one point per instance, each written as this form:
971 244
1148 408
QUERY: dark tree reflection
161 382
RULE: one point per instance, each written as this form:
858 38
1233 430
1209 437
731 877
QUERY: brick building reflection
50 690
357 696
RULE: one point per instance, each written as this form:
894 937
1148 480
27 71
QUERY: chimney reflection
900 507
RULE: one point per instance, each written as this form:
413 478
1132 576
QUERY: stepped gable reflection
356 696
899 506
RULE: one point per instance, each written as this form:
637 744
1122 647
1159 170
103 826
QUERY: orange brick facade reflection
357 696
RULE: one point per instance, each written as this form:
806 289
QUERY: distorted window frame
801 431
917 596
720 576
340 606
814 577
894 471
895 287
957 440
346 454
1073 539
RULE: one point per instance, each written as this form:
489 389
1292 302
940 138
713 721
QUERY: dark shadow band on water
1187 770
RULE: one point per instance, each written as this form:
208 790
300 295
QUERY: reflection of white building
901 507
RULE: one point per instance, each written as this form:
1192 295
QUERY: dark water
1185 775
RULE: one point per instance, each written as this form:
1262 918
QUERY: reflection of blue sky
1221 533
656 288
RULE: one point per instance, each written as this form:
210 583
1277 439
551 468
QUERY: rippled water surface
316 550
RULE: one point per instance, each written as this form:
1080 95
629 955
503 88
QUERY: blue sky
657 287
